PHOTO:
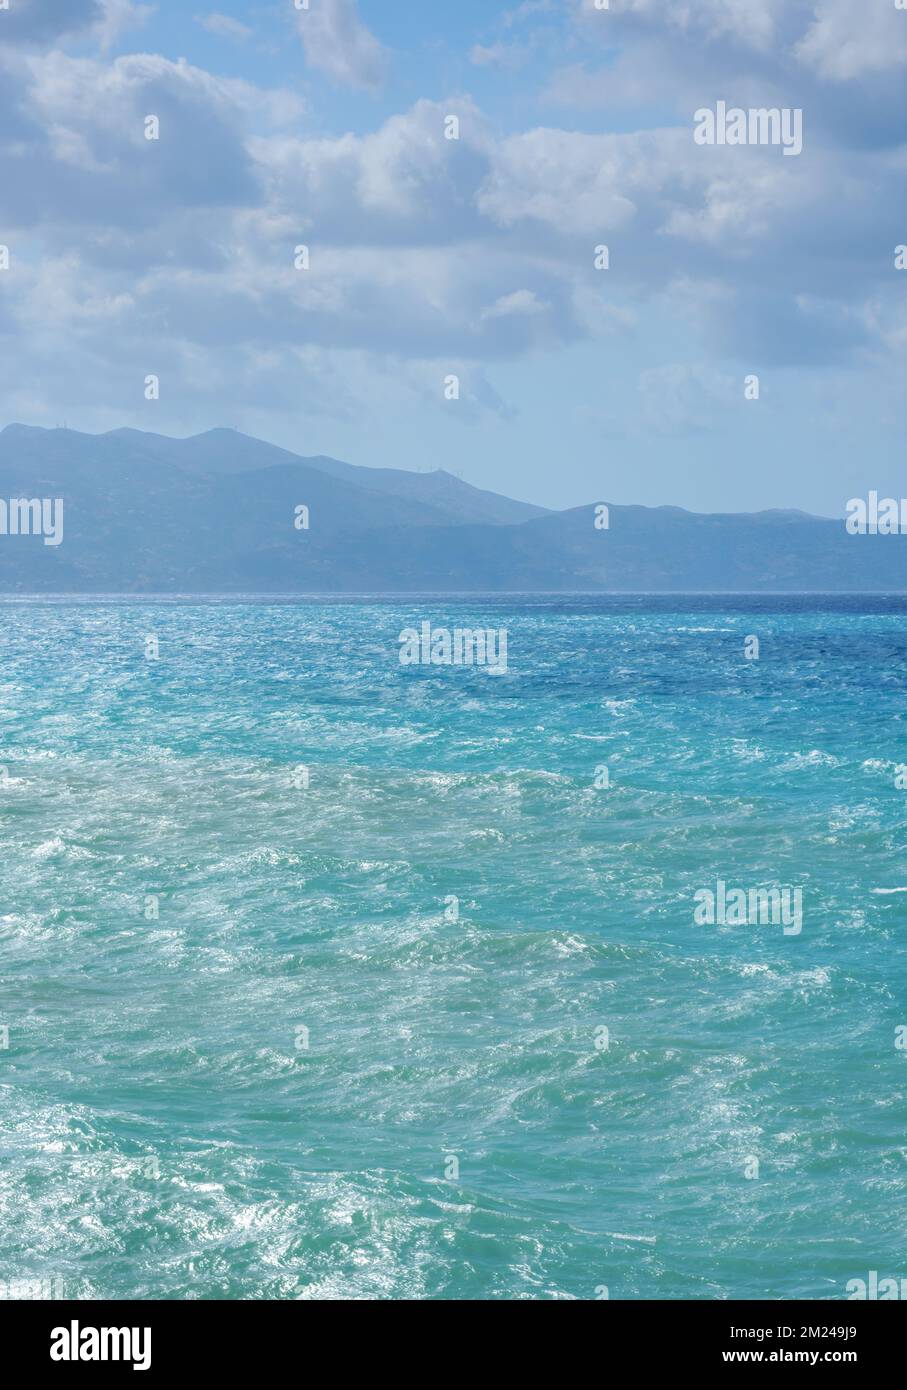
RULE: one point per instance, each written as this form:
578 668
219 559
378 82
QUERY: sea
325 977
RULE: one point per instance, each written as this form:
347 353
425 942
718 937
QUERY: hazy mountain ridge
144 513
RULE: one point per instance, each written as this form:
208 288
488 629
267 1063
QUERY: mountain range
217 513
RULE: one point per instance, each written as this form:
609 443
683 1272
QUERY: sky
475 258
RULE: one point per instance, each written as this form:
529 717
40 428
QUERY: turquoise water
167 1134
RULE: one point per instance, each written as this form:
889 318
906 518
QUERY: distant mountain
223 453
460 501
215 513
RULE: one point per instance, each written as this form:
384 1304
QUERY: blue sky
472 257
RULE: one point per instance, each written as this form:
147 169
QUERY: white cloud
41 22
752 23
519 302
498 55
847 41
576 183
837 39
117 18
339 44
424 251
225 27
403 178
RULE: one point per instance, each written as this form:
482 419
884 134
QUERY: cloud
118 17
844 43
431 255
837 39
578 184
82 157
43 21
339 44
403 182
225 27
751 23
522 302
528 9
498 55
40 23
